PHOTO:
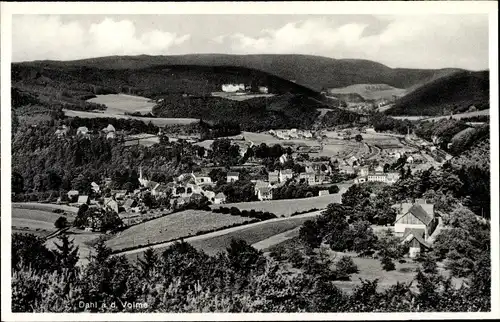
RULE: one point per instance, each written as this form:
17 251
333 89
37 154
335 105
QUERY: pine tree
66 253
149 262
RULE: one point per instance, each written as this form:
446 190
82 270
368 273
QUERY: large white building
233 88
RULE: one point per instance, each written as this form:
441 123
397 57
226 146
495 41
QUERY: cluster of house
365 175
242 88
292 134
415 223
83 131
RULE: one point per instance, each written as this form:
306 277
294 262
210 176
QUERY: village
369 162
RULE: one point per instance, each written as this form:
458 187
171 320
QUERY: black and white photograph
249 158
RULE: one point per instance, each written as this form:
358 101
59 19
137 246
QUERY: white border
353 7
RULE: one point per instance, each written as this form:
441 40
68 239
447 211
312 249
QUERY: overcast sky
435 41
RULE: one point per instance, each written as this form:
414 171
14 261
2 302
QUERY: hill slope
452 93
315 72
369 91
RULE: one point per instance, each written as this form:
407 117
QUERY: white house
62 131
233 88
263 89
285 175
324 193
410 159
363 171
82 130
201 179
219 198
264 193
232 176
274 177
95 187
309 177
283 158
377 177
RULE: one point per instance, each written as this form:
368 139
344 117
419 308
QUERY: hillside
315 72
185 90
452 93
282 111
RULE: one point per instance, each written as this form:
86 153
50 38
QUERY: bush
387 264
345 267
235 211
61 223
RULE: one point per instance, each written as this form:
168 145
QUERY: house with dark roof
417 215
416 241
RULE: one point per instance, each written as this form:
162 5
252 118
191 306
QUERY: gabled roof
287 171
416 233
264 190
220 195
419 212
233 174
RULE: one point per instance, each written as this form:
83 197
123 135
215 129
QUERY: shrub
235 211
61 223
387 264
345 267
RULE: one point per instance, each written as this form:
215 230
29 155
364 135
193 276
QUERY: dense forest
312 71
257 114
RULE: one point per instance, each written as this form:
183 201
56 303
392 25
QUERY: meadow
173 226
370 91
121 103
436 118
34 221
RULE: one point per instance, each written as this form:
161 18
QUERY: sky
398 41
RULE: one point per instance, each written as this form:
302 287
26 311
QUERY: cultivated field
160 121
121 103
286 207
173 226
33 221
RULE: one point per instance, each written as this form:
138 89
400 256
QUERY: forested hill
148 81
454 93
315 72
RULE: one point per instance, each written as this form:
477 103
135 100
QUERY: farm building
233 88
111 205
415 238
418 215
83 131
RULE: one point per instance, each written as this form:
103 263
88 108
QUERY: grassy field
121 103
370 91
171 227
38 222
160 121
285 207
44 207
